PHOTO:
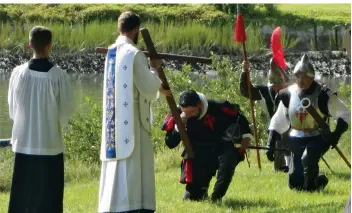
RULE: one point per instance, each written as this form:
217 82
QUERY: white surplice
128 183
40 104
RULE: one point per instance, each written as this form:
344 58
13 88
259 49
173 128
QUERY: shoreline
326 63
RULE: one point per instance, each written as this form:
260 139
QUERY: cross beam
153 54
170 99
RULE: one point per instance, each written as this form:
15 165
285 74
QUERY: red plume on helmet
277 75
276 47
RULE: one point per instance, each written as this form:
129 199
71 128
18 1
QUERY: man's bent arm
146 80
244 88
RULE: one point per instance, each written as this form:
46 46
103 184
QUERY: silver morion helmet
304 66
276 74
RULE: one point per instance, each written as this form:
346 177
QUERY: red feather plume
276 47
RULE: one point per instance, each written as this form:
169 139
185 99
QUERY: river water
92 85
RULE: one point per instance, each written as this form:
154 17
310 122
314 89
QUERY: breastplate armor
299 117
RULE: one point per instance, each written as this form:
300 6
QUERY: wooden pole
251 104
170 99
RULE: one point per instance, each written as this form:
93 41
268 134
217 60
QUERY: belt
304 134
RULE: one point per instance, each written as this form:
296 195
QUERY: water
92 85
84 85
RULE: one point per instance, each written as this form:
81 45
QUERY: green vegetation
290 14
187 38
185 29
250 191
321 12
83 27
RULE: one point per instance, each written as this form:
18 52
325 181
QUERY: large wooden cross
153 54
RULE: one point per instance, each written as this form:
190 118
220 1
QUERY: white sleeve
11 98
146 81
338 109
65 99
279 122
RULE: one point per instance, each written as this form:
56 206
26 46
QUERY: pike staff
240 36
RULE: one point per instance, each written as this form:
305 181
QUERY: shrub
83 135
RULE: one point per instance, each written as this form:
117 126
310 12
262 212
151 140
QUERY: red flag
240 31
276 47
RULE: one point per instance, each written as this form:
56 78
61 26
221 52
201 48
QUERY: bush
83 135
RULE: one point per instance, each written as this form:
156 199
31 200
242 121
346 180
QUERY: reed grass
184 38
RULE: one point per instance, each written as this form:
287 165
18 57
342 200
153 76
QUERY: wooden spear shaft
251 104
323 125
343 156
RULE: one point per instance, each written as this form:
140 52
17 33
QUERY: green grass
330 12
250 191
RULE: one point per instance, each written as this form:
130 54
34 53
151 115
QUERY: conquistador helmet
276 74
304 66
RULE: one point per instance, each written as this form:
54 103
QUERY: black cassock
212 138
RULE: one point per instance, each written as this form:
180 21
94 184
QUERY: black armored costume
266 95
212 133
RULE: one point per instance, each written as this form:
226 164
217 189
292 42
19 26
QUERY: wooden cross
152 53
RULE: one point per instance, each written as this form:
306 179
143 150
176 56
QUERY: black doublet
211 151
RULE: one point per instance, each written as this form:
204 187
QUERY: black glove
334 137
273 135
270 154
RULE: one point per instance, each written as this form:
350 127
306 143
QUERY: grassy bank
182 38
340 13
294 14
185 29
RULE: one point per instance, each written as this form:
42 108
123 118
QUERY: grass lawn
330 12
250 191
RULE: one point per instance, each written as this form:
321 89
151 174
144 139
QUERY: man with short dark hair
40 101
39 38
127 182
213 128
